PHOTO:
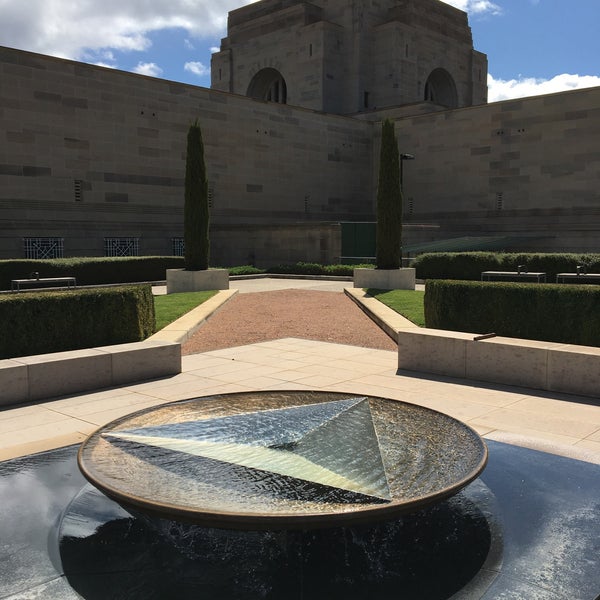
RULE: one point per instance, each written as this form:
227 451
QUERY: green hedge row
568 314
302 268
42 322
91 271
469 265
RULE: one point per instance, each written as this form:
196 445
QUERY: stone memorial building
92 159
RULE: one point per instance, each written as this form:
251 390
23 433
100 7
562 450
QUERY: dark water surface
528 528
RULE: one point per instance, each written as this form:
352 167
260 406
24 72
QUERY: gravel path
261 316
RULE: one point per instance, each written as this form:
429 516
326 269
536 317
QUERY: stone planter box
384 279
528 363
180 280
34 378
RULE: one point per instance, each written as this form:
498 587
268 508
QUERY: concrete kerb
386 318
184 328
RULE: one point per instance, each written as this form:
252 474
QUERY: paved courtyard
557 423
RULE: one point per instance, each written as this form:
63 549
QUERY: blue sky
533 46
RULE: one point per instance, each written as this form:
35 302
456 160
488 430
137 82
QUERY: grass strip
170 307
409 303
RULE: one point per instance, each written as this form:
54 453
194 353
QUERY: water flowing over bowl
282 459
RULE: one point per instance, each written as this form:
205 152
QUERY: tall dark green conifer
196 215
389 201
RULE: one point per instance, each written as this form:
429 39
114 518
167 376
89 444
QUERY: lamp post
404 157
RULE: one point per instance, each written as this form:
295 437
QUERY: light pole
404 157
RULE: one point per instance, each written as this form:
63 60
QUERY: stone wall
268 245
527 168
89 153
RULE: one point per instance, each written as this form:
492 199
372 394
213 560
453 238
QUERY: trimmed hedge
568 314
43 322
302 268
470 265
92 271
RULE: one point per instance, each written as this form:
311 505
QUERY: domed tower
351 56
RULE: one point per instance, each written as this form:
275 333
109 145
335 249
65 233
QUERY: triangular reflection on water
333 443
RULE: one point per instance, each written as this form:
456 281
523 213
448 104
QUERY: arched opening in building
268 84
441 89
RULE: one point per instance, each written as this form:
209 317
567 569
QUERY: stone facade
91 154
94 157
527 169
350 56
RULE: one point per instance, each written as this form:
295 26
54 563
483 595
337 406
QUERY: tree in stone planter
389 201
196 216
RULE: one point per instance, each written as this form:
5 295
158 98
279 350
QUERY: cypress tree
196 215
389 201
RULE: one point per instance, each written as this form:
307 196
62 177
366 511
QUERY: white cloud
197 68
499 89
103 64
148 68
73 29
476 6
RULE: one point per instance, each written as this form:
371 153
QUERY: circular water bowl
282 460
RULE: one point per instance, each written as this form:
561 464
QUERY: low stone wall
528 363
385 279
33 378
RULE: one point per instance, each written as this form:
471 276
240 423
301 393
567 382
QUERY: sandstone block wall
526 168
89 153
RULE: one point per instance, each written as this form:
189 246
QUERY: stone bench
33 378
529 363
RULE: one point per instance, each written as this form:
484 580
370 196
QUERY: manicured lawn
409 303
170 307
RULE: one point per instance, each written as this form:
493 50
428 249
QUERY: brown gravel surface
262 316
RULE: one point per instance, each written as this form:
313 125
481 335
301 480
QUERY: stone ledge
33 378
385 279
528 363
184 328
388 319
44 376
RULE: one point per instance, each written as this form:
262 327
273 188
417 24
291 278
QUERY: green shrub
554 313
92 271
470 265
42 322
303 268
389 201
196 213
245 270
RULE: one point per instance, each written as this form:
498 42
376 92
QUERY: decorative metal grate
178 246
44 247
77 189
211 194
122 246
